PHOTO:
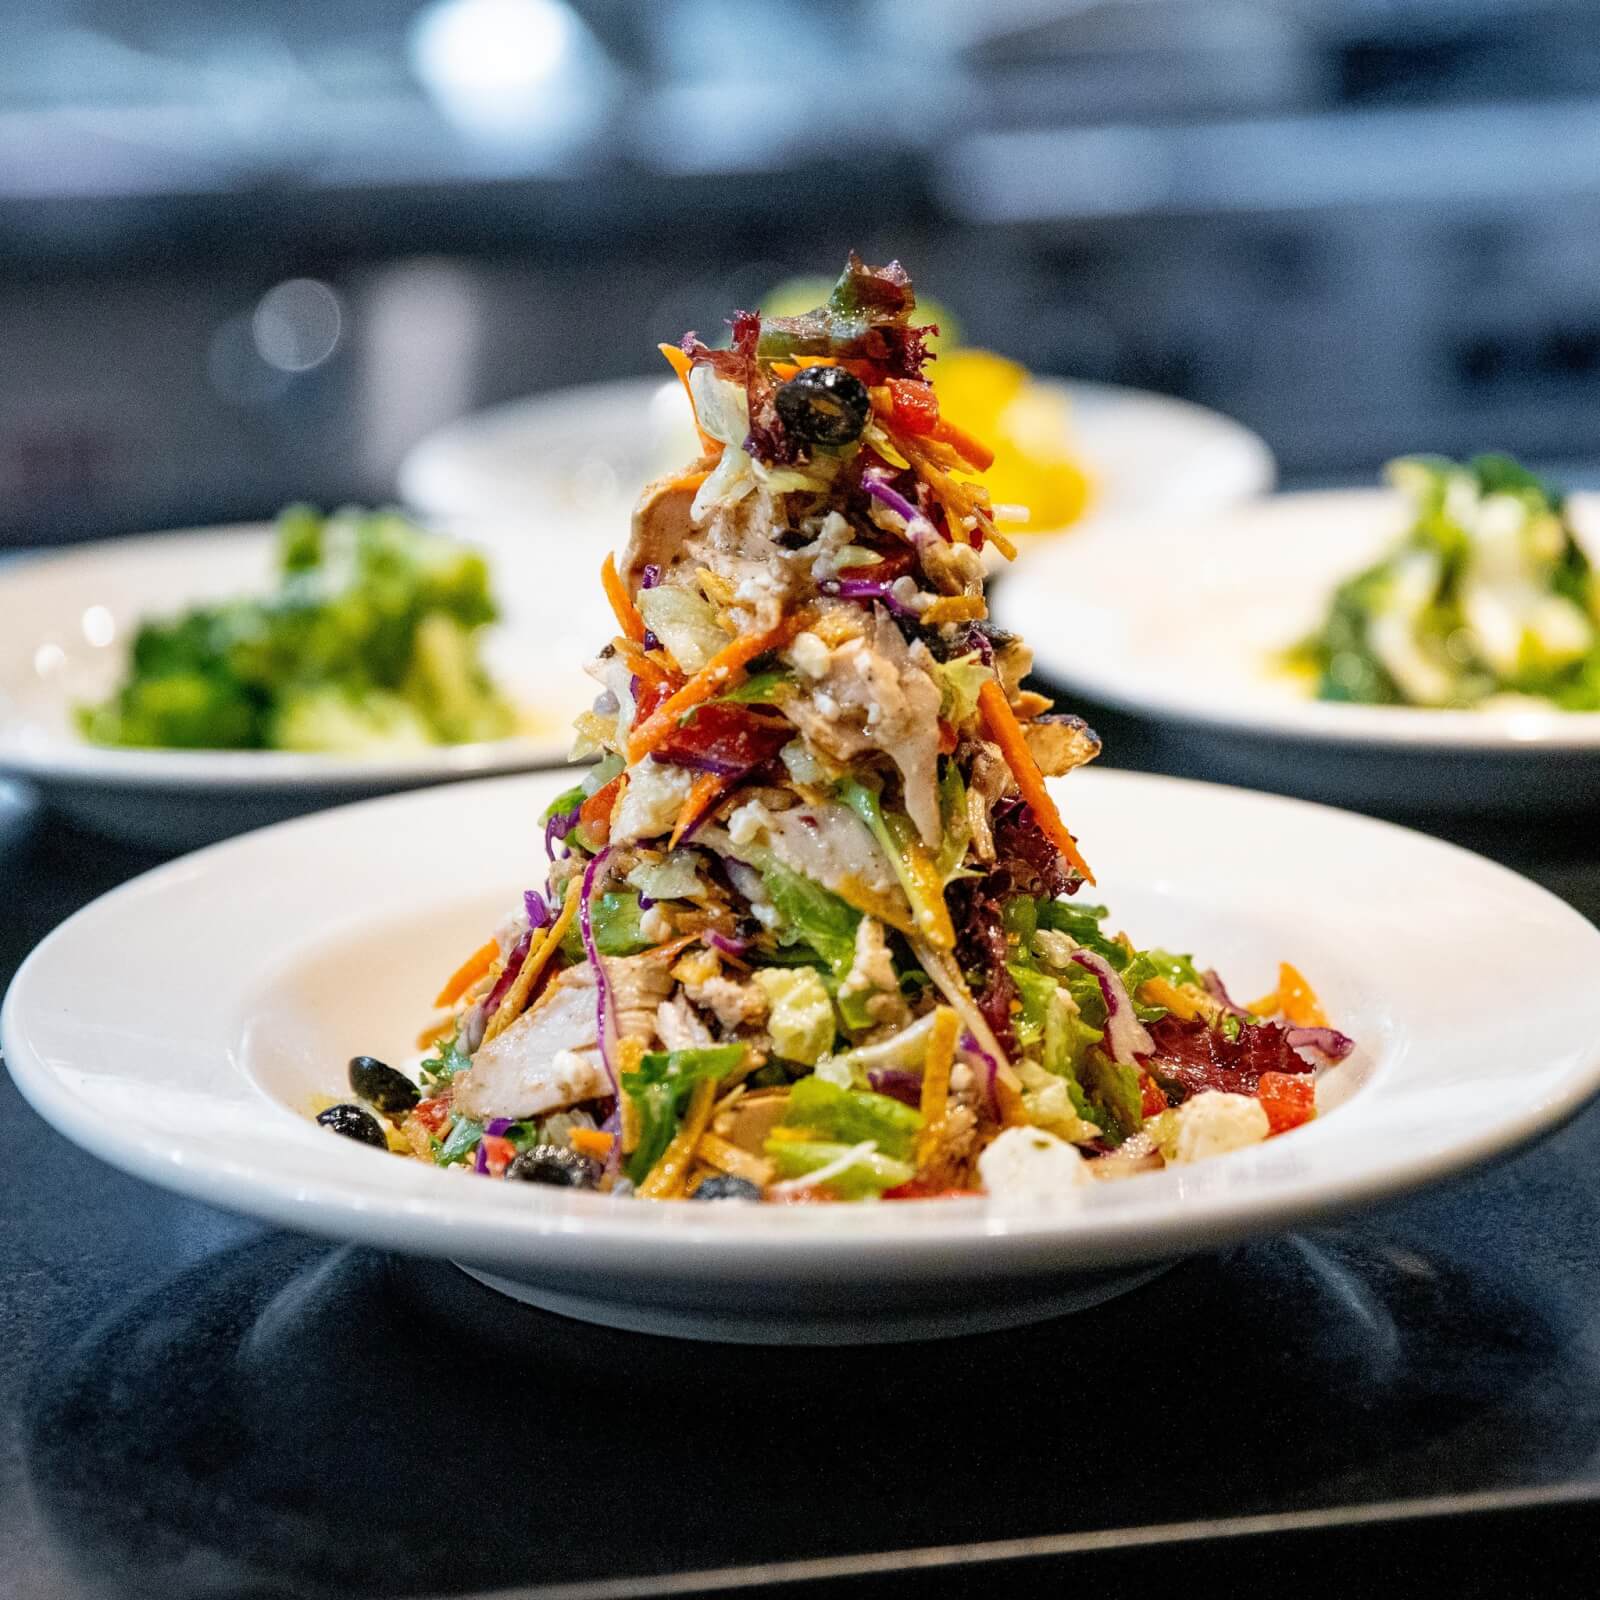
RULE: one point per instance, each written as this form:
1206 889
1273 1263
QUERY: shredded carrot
1007 732
468 973
937 1060
974 452
725 669
956 608
645 666
664 1181
681 364
627 613
1294 999
595 812
537 959
590 1142
429 1037
703 794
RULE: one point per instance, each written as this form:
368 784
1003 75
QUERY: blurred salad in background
369 643
1487 598
1028 424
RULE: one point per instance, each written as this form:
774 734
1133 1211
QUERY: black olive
381 1086
824 405
552 1164
354 1123
722 1186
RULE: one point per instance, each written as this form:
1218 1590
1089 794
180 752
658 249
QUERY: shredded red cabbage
497 1128
558 827
1325 1041
991 1067
1218 991
898 1084
605 1023
480 1162
650 577
870 590
1127 1038
508 975
537 907
722 942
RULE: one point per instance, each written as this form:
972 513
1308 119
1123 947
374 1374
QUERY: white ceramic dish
582 454
229 989
1181 619
68 623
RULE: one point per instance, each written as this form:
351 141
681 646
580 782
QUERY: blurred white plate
205 1040
70 619
580 456
1181 619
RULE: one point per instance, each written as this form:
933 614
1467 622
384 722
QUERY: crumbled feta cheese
1030 1164
1213 1123
748 823
656 925
809 655
651 800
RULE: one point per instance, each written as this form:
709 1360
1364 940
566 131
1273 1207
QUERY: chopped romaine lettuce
438 1070
659 1089
800 1013
959 681
870 1173
850 1116
463 1140
615 918
1082 923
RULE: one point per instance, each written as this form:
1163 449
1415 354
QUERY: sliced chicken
661 525
549 1057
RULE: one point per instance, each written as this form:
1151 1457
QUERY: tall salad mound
810 927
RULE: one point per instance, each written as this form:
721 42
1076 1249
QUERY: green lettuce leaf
869 1174
851 1116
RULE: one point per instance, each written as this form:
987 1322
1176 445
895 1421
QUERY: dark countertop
194 1405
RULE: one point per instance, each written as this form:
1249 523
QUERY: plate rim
395 1212
1388 728
80 763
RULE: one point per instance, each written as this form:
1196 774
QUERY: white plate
1181 619
583 454
182 1026
69 620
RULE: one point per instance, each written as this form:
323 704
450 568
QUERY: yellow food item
1028 425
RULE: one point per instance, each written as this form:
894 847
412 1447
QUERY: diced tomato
498 1153
1287 1100
916 407
917 1189
1154 1098
649 696
724 738
594 815
433 1113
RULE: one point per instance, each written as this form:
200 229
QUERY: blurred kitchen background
254 251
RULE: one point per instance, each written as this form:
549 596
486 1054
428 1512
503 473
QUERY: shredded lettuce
1036 990
959 682
615 918
684 622
677 877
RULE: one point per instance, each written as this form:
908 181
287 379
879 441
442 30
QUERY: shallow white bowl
1183 619
183 1026
69 621
585 452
